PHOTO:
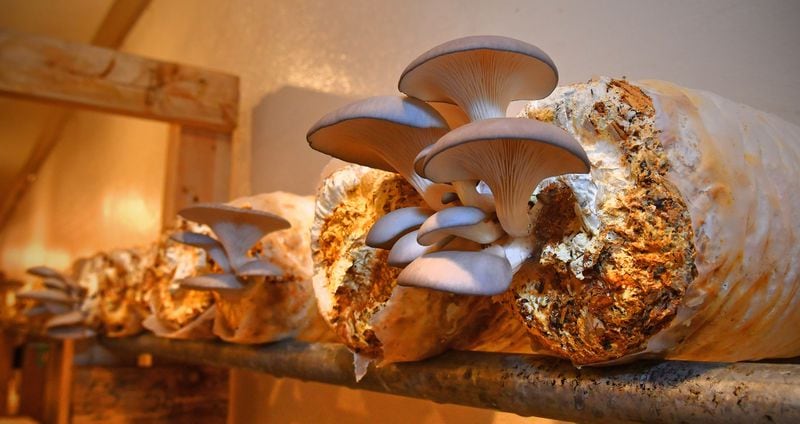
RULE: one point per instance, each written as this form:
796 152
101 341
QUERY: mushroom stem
469 196
515 250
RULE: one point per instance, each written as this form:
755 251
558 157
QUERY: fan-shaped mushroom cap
260 268
480 74
66 319
468 273
511 156
211 245
46 272
215 282
408 249
70 332
385 232
47 296
237 229
383 132
467 222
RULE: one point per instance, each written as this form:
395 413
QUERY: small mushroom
467 273
216 282
213 247
47 296
237 229
466 222
385 132
480 74
390 227
511 156
46 273
259 268
407 249
66 319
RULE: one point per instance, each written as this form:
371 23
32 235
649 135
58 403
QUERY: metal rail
666 391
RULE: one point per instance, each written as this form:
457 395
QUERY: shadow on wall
281 158
263 398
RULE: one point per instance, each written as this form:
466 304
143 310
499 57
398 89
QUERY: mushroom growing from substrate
511 156
385 132
480 74
238 229
61 301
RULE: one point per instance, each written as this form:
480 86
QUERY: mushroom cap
510 155
524 71
259 268
466 222
390 227
47 296
211 245
45 272
237 229
70 332
407 249
370 132
459 272
66 319
212 282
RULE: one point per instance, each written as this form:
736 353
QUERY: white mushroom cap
467 222
46 273
407 249
237 229
385 132
467 273
510 155
390 227
480 74
211 245
213 282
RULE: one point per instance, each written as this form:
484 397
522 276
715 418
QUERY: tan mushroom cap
238 229
384 132
212 282
480 74
510 155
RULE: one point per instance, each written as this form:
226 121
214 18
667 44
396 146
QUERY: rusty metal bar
667 391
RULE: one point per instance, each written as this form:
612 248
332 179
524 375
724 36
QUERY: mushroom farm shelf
664 391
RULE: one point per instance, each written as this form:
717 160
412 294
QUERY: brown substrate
369 281
633 273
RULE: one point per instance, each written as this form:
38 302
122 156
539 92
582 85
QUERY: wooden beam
33 383
79 75
198 169
58 382
116 25
119 21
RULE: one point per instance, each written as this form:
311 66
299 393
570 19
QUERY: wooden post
46 389
198 169
32 387
6 370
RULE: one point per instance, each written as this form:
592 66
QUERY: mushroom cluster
477 178
60 301
237 231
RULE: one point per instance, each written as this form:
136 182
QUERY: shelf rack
648 391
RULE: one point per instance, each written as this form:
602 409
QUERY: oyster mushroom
386 133
459 272
407 249
480 74
61 301
511 156
395 224
211 245
237 229
466 222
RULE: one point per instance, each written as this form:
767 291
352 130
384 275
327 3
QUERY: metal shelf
665 391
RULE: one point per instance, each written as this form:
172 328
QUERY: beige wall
298 59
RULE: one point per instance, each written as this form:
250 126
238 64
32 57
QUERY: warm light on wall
129 209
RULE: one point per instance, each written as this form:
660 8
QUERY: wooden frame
201 106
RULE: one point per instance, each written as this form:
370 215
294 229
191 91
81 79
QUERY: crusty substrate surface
594 296
369 281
